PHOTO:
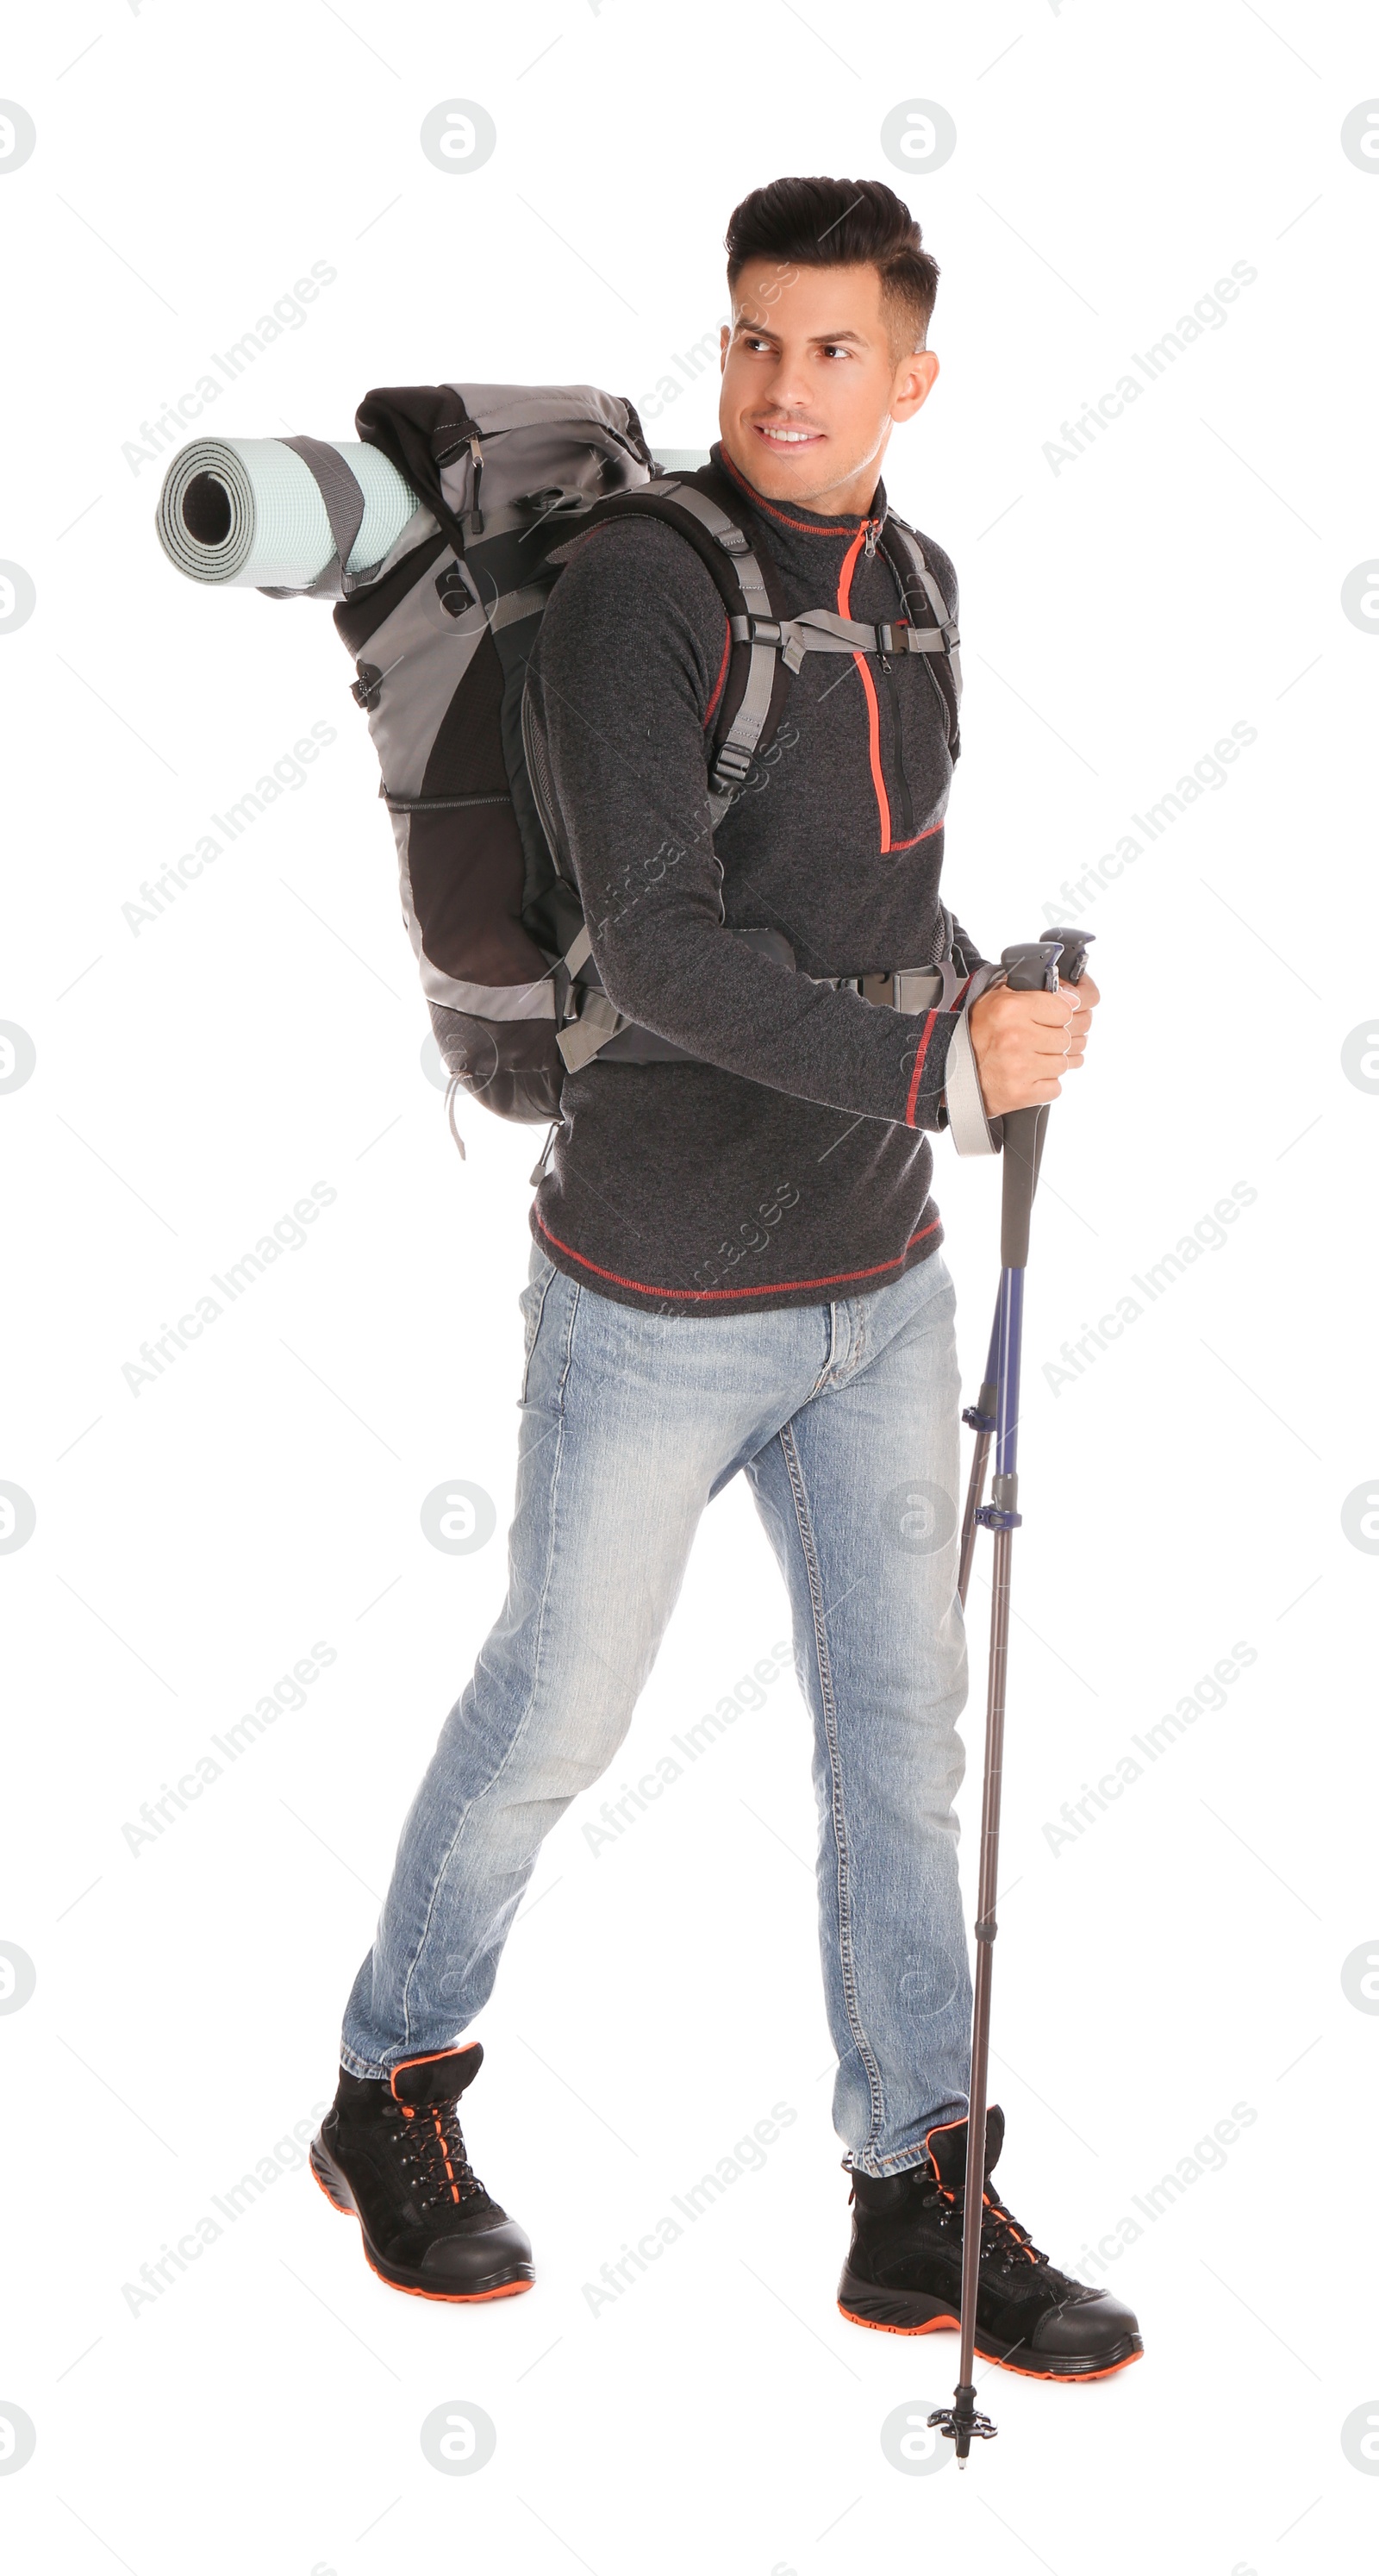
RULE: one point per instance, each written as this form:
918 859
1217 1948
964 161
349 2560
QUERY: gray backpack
442 629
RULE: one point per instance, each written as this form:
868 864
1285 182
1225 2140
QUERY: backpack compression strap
583 1038
819 630
344 509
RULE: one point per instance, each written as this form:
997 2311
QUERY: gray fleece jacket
789 1164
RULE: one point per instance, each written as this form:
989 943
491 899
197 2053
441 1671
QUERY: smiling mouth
777 435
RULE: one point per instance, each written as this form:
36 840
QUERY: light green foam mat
248 511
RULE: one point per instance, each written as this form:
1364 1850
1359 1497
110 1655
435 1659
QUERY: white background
1183 1953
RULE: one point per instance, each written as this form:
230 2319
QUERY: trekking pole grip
1030 968
1023 1136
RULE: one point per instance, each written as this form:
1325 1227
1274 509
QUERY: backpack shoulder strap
752 702
905 555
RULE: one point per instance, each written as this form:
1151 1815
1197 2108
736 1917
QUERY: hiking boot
903 2273
392 2155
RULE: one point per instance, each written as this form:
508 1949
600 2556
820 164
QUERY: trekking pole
1029 969
981 1416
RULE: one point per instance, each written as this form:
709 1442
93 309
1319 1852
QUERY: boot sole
914 2312
329 2179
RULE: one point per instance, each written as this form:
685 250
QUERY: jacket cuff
926 1061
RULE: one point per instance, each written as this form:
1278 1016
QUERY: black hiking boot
392 2156
903 2274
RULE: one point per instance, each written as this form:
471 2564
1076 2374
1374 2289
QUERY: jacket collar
809 522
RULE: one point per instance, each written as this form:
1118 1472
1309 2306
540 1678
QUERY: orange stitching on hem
774 1288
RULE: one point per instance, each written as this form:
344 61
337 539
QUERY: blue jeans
844 1417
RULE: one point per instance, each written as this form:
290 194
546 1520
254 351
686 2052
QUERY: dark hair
840 223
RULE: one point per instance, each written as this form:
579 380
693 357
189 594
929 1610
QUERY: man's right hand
1025 1042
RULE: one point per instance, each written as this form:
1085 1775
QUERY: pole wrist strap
968 1124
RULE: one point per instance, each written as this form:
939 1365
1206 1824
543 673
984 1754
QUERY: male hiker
736 1265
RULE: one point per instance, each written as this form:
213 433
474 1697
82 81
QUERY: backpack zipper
543 796
438 804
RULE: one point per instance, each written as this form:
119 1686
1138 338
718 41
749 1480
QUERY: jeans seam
830 1718
830 1354
567 1356
552 1273
532 1695
832 1374
354 2065
887 2167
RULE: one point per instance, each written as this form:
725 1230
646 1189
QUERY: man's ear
724 335
915 378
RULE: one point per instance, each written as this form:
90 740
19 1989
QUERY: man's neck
856 498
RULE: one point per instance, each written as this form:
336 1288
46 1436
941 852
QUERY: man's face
811 384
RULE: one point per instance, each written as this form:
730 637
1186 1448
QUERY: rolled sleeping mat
249 512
